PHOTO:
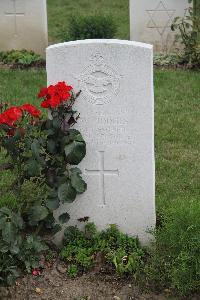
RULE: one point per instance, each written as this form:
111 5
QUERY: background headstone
150 22
117 121
23 25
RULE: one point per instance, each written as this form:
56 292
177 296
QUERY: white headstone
23 25
150 22
117 121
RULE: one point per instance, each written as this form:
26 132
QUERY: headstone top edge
100 42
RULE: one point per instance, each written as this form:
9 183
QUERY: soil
54 284
101 283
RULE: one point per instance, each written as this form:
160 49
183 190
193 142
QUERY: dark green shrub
81 249
17 250
175 257
9 270
91 27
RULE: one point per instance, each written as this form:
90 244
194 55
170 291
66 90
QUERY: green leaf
14 249
50 177
37 213
56 123
18 221
64 218
49 221
75 152
35 148
51 146
35 243
2 221
10 144
33 168
4 247
9 232
75 147
66 193
75 135
52 203
6 211
77 182
50 132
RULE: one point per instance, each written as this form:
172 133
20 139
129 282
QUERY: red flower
55 94
63 90
45 104
54 101
32 110
43 93
51 91
11 116
51 103
2 119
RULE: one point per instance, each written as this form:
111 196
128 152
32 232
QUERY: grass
177 137
18 87
177 133
59 12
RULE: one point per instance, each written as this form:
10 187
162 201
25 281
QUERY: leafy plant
72 271
20 57
81 249
91 27
17 250
189 30
162 59
41 151
50 256
9 269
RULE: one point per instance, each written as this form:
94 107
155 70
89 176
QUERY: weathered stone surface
150 22
116 119
23 25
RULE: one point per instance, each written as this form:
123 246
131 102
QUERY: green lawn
59 12
177 136
177 130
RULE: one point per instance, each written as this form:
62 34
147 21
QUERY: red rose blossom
43 93
32 110
63 90
51 103
2 119
11 116
54 95
45 104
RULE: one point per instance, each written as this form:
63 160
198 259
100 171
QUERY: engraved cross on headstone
102 172
14 14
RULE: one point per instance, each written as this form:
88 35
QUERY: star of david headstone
154 17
